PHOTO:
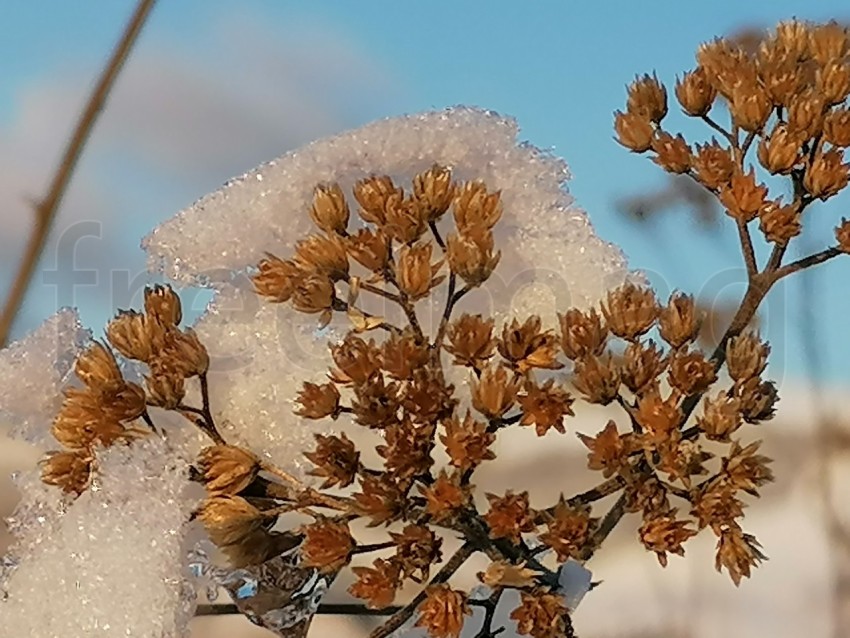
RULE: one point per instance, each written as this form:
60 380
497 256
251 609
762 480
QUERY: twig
45 210
747 249
325 609
720 129
807 262
489 605
401 616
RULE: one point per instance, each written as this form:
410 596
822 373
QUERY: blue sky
559 67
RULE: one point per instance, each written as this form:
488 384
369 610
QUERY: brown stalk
46 209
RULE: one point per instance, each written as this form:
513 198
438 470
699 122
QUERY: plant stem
46 209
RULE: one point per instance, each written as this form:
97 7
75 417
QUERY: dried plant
675 455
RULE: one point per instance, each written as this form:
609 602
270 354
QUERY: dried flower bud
780 152
336 460
323 255
227 469
695 93
314 294
545 406
376 403
377 585
743 198
672 153
230 519
631 310
356 360
509 516
793 36
663 534
647 98
372 194
470 341
402 354
738 553
475 206
70 471
504 574
276 279
380 499
634 131
658 417
405 219
417 548
184 350
494 393
690 373
526 346
842 235
97 368
750 106
713 165
369 248
443 611
725 65
745 470
779 223
445 496
327 545
414 272
828 42
163 304
582 333
467 441
806 114
568 530
541 615
318 401
81 422
836 127
165 386
597 378
648 496
435 191
746 356
642 364
608 450
827 174
758 399
471 255
781 74
833 81
128 334
678 321
330 210
407 453
721 417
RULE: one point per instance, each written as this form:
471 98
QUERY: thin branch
437 237
747 248
490 606
325 609
401 616
720 129
807 262
46 209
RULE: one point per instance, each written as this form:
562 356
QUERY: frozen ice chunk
113 565
33 371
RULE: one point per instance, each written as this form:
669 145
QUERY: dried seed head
738 553
827 175
713 165
568 530
327 545
470 341
314 294
642 364
758 400
690 373
658 417
406 220
597 378
495 392
695 93
662 534
128 334
402 354
526 346
630 310
582 333
435 191
545 406
317 401
380 499
725 65
467 441
635 132
509 516
369 248
414 272
750 106
69 470
97 368
227 469
377 585
608 450
356 360
322 255
276 279
443 611
721 416
330 210
833 82
842 235
417 548
541 615
672 153
407 453
165 386
780 152
471 255
372 194
836 127
229 520
828 42
745 470
678 321
163 304
647 98
475 206
81 422
743 198
504 574
376 403
806 114
792 36
185 351
445 496
779 223
336 460
746 356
